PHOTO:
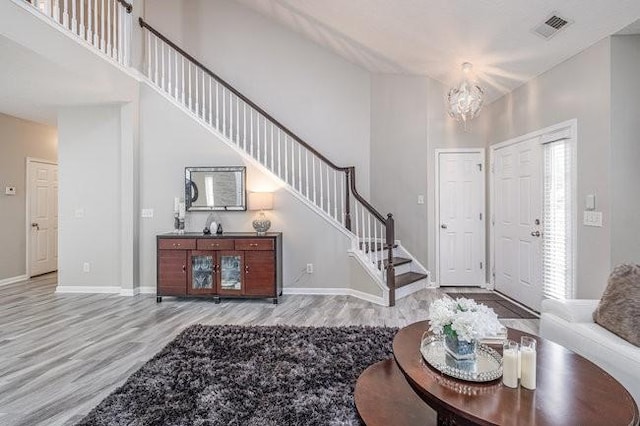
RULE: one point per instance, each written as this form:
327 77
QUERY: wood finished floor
60 355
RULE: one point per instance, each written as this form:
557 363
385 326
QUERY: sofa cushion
619 308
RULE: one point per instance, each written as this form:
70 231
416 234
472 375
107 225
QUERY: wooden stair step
397 261
408 278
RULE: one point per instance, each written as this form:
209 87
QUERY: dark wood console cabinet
228 265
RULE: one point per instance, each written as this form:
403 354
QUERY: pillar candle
519 365
181 211
176 205
510 364
528 367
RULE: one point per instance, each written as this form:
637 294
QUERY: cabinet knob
176 244
184 268
246 269
253 244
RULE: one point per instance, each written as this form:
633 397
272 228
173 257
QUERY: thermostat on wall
10 190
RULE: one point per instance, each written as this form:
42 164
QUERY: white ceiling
433 37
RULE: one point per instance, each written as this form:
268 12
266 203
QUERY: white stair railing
105 24
315 178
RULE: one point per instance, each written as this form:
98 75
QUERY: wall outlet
420 199
86 267
147 213
10 190
593 218
309 268
79 213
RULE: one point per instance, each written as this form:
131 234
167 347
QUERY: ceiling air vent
551 26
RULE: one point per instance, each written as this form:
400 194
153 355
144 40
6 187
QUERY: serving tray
485 368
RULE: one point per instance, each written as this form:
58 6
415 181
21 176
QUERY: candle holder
176 223
180 225
528 362
510 364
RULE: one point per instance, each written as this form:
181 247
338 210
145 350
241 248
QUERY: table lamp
261 201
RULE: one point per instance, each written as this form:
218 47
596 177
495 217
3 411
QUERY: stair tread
408 278
397 261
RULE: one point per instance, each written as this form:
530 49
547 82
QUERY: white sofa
570 323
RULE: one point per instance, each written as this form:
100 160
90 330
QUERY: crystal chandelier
465 101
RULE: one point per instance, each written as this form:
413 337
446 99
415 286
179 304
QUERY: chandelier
465 100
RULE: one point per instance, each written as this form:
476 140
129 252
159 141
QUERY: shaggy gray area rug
235 375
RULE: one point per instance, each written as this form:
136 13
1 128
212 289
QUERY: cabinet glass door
231 269
202 273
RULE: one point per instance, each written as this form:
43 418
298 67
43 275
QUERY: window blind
557 239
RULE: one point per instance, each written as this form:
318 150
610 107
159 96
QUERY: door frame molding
570 125
436 227
27 195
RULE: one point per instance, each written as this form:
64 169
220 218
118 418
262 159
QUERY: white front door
43 217
517 221
461 219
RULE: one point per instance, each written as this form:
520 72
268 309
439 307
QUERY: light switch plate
420 199
79 213
147 213
10 190
592 218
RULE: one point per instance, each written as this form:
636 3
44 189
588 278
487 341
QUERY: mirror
215 188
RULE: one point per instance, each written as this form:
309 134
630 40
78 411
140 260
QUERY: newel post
347 202
391 271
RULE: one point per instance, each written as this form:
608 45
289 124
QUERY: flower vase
461 350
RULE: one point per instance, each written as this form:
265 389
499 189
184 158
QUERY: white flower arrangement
463 318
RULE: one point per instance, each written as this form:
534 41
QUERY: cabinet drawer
254 244
176 244
214 244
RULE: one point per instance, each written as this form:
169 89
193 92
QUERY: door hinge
493 168
480 166
480 216
481 265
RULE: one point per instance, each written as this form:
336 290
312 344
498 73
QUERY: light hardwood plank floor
61 354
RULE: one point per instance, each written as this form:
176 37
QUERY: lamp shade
260 200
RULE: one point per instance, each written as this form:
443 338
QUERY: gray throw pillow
619 308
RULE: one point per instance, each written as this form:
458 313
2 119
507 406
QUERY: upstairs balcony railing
105 24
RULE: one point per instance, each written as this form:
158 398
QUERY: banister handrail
127 6
368 241
357 196
229 87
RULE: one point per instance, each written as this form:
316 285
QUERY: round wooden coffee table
571 390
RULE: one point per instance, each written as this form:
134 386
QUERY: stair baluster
332 189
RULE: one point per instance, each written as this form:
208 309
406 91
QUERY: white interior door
461 219
43 217
517 221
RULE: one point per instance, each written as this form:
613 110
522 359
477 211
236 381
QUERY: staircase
328 189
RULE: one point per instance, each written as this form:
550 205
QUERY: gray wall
19 139
625 149
90 171
317 94
577 88
170 141
408 123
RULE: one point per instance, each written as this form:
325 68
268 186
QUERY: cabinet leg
275 300
216 300
158 299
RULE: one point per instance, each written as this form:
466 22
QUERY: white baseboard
411 288
13 280
129 292
335 292
88 289
126 292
